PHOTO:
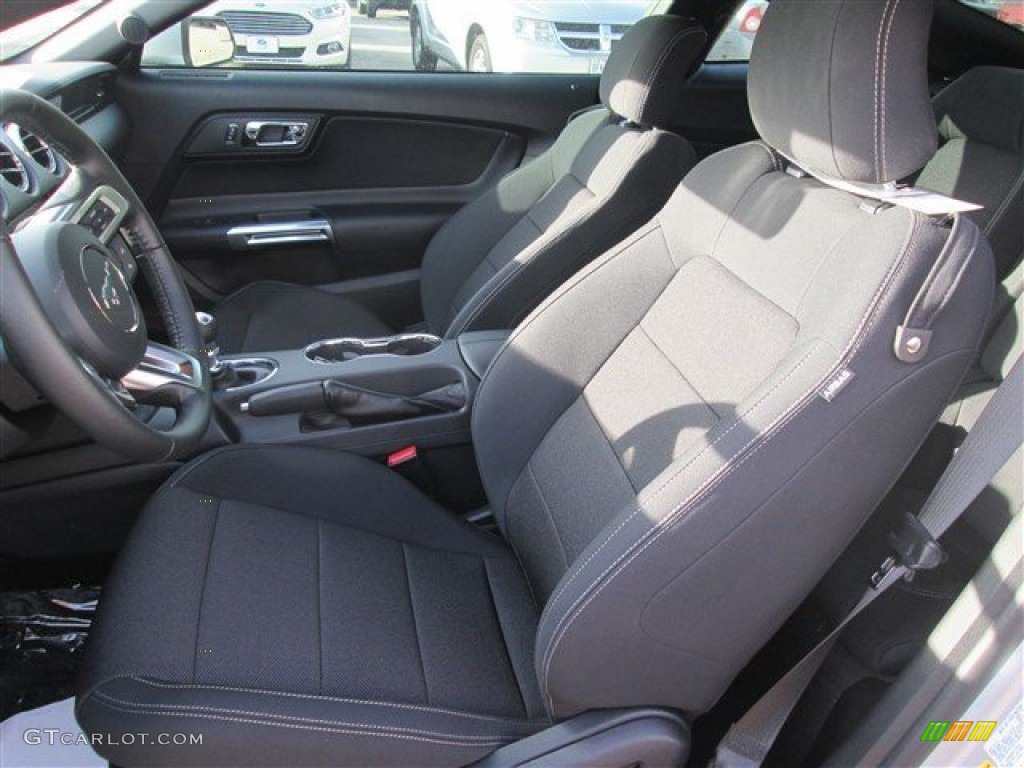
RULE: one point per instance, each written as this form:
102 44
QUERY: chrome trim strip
280 233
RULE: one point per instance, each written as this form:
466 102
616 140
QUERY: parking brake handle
357 405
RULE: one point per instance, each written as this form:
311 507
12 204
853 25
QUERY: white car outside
299 33
568 36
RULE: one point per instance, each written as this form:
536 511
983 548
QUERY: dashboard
30 170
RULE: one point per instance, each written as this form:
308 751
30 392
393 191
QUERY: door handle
276 133
250 236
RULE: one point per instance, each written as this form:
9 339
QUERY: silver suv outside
570 36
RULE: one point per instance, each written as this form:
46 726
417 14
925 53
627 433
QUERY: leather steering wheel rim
46 359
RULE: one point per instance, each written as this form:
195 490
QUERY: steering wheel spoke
116 388
166 376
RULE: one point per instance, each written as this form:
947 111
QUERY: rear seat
981 158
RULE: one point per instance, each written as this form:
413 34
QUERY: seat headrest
984 105
840 87
647 67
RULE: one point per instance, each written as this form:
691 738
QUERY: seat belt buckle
914 549
408 464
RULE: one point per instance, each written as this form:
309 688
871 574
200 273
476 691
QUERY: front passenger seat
609 172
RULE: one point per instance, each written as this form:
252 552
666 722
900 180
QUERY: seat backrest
680 440
607 174
981 158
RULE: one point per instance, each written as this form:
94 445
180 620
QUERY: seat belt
988 447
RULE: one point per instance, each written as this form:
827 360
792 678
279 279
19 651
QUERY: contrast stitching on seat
906 248
353 729
333 699
885 75
551 516
880 68
738 458
202 591
579 569
710 446
176 708
415 624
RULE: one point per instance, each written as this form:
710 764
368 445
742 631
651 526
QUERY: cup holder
343 350
240 374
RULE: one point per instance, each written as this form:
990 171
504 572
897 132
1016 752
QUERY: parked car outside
369 8
1012 13
570 36
286 33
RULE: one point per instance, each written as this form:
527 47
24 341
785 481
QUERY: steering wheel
70 318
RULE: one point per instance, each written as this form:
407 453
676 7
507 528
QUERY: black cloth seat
322 597
676 446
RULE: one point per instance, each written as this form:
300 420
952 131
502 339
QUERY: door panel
388 158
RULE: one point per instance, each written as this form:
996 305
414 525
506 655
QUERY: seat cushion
310 607
266 316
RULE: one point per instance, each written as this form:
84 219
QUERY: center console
370 396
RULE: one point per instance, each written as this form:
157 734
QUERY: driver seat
676 445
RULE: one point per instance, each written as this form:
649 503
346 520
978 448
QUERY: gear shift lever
208 331
232 373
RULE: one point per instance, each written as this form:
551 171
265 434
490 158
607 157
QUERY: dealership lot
383 43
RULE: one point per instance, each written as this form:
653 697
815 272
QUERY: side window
737 39
568 36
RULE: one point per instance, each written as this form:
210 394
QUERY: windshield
21 37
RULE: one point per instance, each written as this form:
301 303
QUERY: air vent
12 170
38 150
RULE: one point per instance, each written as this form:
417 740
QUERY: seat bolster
641 186
310 729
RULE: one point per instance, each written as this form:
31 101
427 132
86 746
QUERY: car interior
409 418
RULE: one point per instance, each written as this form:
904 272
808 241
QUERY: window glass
18 39
555 36
737 39
1010 12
